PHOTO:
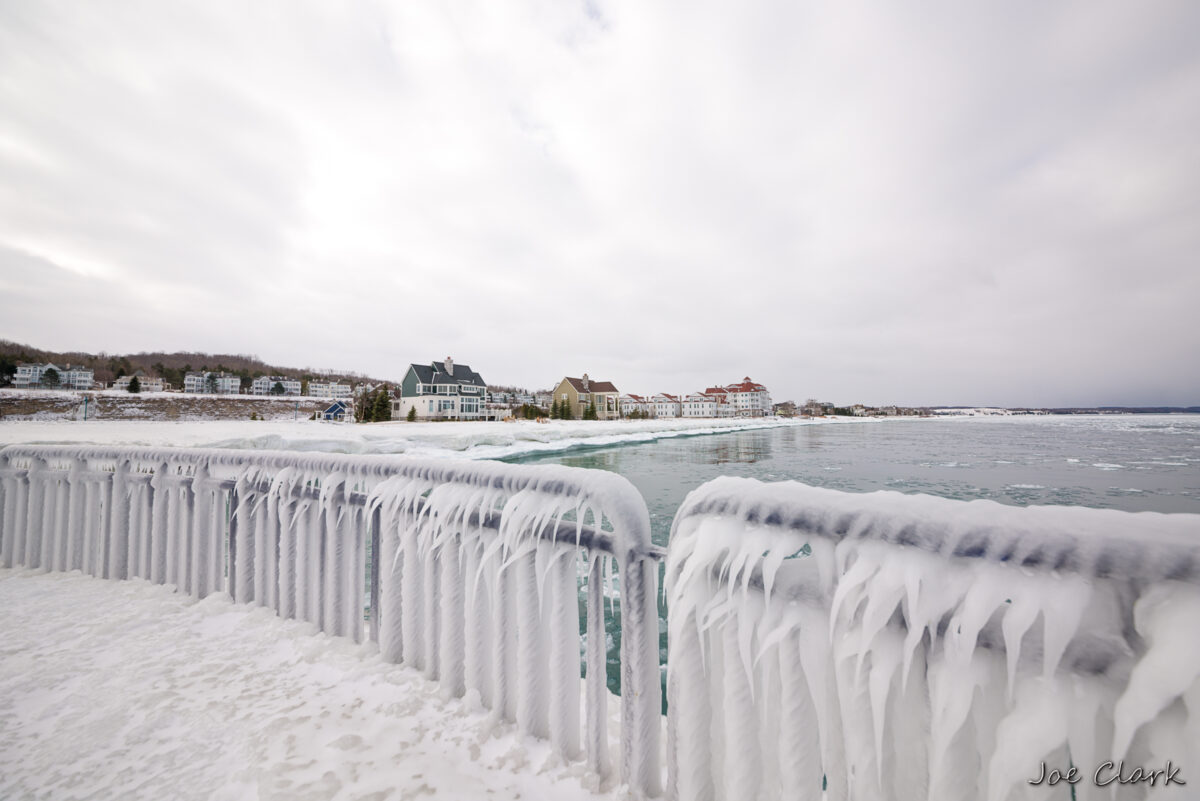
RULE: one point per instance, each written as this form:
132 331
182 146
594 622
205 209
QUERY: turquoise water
1130 462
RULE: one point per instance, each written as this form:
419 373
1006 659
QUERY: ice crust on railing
471 571
906 647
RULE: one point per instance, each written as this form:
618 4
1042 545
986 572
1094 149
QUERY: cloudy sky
908 203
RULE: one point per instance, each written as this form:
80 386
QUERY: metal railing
885 646
468 571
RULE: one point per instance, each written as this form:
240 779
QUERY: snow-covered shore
467 440
127 690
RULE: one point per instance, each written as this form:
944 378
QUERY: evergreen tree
382 412
50 378
412 414
590 412
565 412
554 410
135 385
210 383
277 388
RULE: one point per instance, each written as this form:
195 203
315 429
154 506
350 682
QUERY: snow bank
128 690
472 440
907 647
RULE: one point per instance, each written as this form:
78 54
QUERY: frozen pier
822 644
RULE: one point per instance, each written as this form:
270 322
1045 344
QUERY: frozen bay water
128 690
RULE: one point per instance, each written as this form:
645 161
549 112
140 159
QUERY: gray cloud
915 205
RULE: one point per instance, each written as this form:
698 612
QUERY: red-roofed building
746 398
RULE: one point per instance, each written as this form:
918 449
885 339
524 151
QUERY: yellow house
581 393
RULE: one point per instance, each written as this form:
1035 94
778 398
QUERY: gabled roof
337 406
435 373
592 386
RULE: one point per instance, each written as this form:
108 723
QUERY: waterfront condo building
328 389
145 383
747 398
33 376
212 383
264 385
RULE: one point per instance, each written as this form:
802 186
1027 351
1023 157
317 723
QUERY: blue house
339 410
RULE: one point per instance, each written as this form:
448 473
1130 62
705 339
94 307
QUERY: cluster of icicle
885 646
468 571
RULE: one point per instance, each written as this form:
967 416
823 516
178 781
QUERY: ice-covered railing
909 647
469 571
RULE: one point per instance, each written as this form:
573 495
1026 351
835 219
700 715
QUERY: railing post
8 512
202 531
159 493
641 685
599 760
75 491
532 709
31 531
375 517
562 596
288 555
451 647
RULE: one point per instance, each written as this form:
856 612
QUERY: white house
441 391
34 375
666 405
328 389
263 385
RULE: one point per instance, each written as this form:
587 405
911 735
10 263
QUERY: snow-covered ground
126 690
474 440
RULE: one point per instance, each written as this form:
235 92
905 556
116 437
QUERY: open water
1131 462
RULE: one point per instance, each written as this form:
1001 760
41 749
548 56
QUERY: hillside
49 405
171 366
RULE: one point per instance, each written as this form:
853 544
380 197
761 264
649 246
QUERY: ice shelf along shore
471 440
896 647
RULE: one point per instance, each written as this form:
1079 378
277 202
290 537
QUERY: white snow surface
129 690
472 440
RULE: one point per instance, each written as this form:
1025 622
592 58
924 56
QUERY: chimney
585 383
449 366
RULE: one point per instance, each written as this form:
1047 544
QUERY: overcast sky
889 203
